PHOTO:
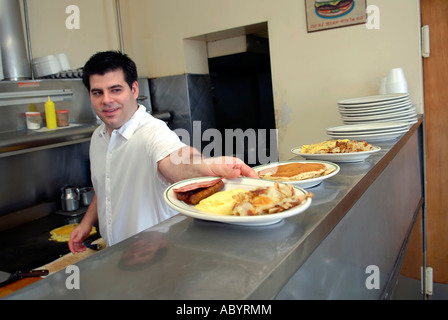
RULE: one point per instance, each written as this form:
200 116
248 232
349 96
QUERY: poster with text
324 14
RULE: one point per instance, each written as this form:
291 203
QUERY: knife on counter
7 278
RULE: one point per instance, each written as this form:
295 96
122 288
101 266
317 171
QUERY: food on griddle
62 234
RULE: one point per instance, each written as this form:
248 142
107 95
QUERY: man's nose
107 98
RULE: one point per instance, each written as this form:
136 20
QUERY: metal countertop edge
304 249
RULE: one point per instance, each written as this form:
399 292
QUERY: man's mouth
110 111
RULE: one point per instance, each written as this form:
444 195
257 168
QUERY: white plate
239 183
376 113
381 104
377 126
337 157
381 116
308 183
380 109
409 119
360 133
375 99
376 137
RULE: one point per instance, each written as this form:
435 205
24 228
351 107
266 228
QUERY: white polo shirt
125 176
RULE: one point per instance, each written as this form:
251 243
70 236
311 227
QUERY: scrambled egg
315 148
62 234
220 203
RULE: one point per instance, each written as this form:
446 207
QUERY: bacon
195 192
197 185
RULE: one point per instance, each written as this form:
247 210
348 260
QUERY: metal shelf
13 143
26 97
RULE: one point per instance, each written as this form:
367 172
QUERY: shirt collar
128 129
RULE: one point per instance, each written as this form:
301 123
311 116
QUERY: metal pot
70 198
86 195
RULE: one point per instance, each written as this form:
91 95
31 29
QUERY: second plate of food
337 157
303 174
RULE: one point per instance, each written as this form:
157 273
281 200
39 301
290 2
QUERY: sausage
205 193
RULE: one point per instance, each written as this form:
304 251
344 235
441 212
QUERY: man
133 156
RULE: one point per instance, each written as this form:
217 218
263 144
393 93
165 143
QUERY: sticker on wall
330 14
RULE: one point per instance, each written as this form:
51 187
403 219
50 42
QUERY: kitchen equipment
45 66
1 67
93 246
86 195
7 278
63 61
70 198
29 247
12 42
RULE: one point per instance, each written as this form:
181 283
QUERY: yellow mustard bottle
50 114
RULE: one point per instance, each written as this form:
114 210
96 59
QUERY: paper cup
396 87
383 89
396 75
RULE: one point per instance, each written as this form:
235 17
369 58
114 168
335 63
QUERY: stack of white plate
380 108
370 132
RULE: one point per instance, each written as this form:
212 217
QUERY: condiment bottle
33 120
50 114
62 118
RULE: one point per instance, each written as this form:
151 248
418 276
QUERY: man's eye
96 93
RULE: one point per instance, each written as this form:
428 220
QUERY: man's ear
135 89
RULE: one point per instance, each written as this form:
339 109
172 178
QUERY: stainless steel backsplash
187 98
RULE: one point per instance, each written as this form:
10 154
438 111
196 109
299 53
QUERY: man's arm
187 163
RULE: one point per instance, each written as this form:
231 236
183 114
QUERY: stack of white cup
394 83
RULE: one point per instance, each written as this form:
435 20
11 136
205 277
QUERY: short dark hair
106 61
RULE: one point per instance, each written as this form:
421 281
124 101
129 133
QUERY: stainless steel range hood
13 54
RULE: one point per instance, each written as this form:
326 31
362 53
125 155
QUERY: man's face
112 99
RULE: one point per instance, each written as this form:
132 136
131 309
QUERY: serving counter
348 245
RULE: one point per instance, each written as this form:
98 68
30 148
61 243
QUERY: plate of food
241 201
343 150
303 174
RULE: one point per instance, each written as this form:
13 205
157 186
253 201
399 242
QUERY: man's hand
188 163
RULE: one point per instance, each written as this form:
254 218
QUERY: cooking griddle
29 246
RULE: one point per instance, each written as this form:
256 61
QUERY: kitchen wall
310 71
54 28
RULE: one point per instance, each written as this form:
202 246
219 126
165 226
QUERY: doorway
243 100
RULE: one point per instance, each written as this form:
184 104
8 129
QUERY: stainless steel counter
367 210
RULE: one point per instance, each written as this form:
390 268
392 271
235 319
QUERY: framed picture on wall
330 14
